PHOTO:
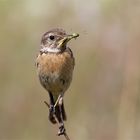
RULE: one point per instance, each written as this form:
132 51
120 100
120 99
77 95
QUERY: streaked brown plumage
55 64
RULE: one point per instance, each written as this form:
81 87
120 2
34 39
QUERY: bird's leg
59 116
61 121
51 109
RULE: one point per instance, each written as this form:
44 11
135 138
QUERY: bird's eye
51 37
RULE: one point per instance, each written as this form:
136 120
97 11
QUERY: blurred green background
103 102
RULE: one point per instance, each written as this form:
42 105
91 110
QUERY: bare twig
47 104
65 134
57 100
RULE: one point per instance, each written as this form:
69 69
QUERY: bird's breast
55 70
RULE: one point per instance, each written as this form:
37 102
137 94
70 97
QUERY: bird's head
55 40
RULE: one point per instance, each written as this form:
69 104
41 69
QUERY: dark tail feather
63 112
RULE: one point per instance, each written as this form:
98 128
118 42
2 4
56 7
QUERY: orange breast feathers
51 62
55 71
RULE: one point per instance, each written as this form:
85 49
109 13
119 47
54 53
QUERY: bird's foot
52 109
51 114
62 130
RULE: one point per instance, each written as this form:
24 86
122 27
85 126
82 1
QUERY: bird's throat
50 50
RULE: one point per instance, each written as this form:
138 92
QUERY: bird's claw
52 109
61 130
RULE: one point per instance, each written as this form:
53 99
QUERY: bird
55 64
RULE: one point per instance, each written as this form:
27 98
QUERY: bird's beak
62 43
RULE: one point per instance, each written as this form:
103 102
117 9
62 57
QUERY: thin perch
65 134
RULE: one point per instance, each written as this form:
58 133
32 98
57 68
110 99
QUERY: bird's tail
64 116
60 114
